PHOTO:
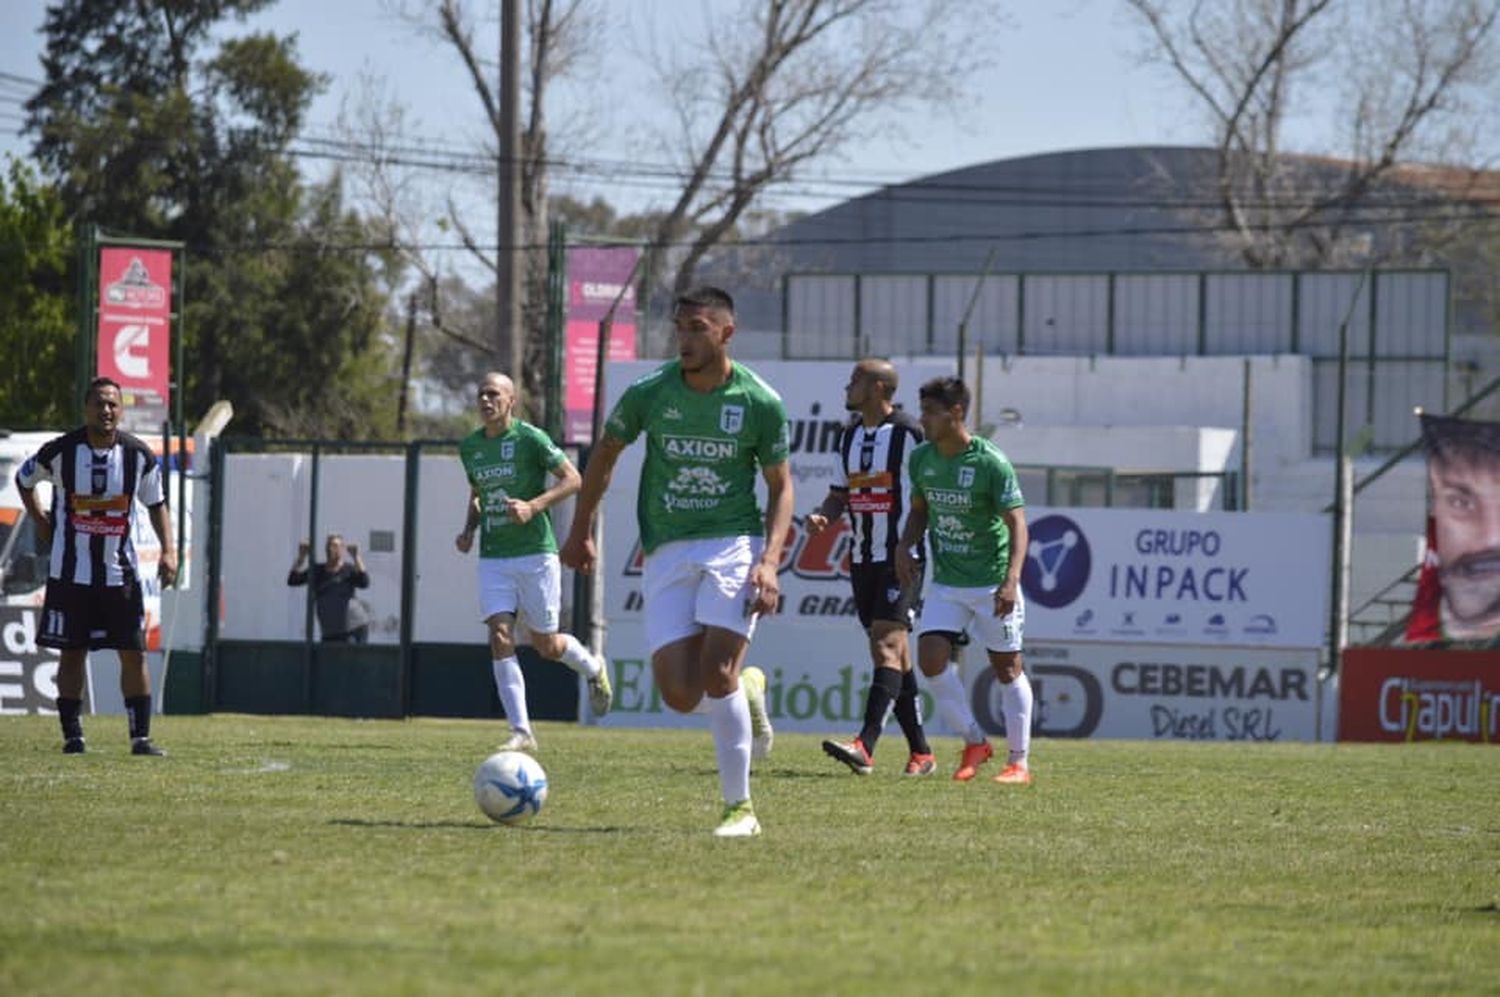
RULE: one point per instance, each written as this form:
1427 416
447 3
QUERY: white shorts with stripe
953 610
692 584
528 587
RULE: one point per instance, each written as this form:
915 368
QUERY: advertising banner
28 673
1115 576
596 277
1165 577
817 679
135 309
1458 590
1394 694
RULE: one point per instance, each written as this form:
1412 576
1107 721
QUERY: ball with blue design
510 787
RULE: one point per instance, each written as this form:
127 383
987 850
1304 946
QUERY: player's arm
579 552
779 501
911 535
32 473
161 523
1009 591
568 483
465 538
832 508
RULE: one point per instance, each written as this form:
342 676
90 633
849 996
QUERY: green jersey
965 495
514 464
702 450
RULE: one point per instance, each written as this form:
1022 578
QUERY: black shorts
878 594
76 617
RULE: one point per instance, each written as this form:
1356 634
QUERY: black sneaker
143 746
74 746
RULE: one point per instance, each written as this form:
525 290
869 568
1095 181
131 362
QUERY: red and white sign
598 278
1408 695
135 330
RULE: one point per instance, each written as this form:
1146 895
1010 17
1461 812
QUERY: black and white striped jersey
93 504
872 466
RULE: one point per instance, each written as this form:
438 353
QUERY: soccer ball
510 787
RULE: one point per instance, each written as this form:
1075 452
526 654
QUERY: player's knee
681 700
549 646
1007 666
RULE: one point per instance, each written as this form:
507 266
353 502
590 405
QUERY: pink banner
135 330
596 278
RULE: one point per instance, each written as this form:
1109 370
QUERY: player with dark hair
98 473
711 560
874 489
507 461
965 495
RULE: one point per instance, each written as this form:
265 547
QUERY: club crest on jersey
966 477
731 418
508 450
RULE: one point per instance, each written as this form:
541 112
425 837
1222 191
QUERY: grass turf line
314 855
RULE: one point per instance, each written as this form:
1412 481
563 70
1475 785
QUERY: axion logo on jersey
732 418
699 448
949 499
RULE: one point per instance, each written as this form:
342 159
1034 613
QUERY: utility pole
511 338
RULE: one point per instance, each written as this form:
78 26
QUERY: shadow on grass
464 825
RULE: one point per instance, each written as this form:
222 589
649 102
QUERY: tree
155 127
36 310
1406 79
755 105
788 84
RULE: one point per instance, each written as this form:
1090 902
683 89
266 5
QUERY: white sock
578 658
953 705
1016 703
511 685
729 720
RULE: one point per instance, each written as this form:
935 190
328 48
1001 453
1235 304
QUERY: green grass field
309 855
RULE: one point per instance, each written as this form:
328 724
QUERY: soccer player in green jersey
965 495
507 460
711 561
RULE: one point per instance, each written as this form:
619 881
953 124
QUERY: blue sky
1064 77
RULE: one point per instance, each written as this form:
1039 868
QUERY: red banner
135 330
597 276
1408 695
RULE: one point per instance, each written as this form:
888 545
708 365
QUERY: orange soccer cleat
974 756
920 765
1015 774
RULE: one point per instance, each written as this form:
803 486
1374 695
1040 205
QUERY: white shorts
692 584
954 610
528 587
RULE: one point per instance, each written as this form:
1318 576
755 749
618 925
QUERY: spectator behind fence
341 617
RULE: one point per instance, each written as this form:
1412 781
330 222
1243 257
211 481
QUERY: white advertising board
817 679
1163 577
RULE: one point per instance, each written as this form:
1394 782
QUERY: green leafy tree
36 310
157 125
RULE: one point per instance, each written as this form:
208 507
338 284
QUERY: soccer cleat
601 693
143 746
851 753
974 756
738 821
761 734
920 765
74 746
1015 774
519 740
